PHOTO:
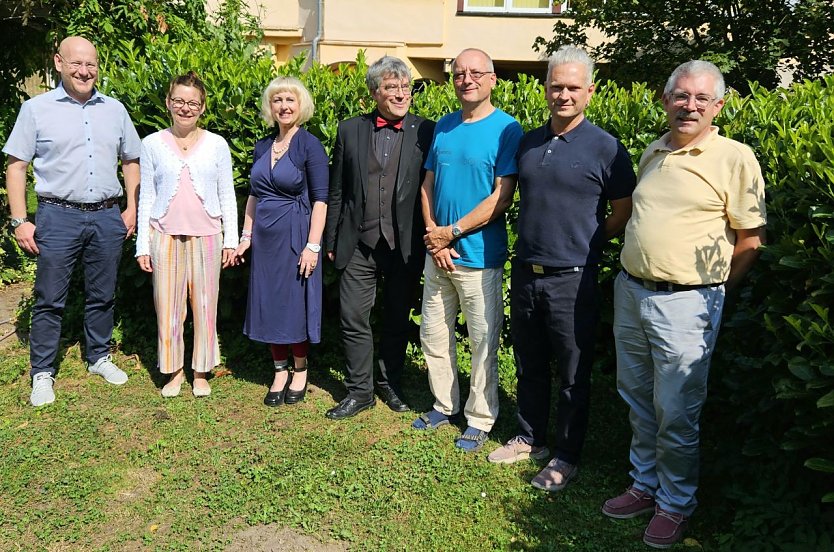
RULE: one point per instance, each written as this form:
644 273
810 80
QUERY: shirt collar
663 143
570 135
381 122
64 95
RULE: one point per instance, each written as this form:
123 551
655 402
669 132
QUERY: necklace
188 143
278 150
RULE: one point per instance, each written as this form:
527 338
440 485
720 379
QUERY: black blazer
349 185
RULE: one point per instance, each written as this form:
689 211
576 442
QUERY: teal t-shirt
465 159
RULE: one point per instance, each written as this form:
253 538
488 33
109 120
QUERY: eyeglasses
76 65
701 100
458 76
178 103
392 89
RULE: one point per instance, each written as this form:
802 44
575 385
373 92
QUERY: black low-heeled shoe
277 398
292 397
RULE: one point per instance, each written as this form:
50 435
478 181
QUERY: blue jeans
63 235
664 344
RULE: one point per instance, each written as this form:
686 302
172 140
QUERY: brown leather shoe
665 529
630 504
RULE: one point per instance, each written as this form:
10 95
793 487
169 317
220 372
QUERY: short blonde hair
295 87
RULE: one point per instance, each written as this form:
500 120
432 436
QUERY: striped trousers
186 266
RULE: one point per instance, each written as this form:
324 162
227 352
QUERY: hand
437 238
444 259
25 236
331 256
144 263
129 219
307 262
241 249
229 257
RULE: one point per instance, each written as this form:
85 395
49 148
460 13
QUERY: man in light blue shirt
74 137
470 179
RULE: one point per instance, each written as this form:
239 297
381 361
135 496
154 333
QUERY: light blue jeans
664 344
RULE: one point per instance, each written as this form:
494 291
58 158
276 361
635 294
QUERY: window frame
554 7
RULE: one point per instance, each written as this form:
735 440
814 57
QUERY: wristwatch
314 247
456 231
15 222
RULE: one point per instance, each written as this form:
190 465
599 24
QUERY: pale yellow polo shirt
686 205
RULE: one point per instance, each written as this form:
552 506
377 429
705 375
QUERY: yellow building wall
424 33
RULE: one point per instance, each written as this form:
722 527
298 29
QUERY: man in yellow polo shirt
697 222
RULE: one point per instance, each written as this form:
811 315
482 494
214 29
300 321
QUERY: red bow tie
381 123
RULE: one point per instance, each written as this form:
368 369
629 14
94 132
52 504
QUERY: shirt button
549 151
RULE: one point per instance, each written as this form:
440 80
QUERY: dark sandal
432 420
472 439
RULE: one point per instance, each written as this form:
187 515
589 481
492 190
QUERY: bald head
76 44
474 53
77 62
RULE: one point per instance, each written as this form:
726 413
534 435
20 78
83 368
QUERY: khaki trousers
478 294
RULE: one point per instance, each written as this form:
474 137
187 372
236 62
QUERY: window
514 6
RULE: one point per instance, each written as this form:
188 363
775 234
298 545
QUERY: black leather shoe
390 397
275 398
348 408
293 397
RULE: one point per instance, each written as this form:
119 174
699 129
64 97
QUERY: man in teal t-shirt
470 180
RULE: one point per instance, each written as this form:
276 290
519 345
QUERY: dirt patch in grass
10 297
274 538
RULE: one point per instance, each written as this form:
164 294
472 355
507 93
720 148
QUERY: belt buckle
538 269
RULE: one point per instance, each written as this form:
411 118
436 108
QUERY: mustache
686 116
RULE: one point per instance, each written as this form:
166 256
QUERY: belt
550 270
652 285
97 206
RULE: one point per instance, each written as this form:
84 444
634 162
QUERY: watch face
456 231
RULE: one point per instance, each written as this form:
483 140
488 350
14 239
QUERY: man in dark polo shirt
375 232
569 171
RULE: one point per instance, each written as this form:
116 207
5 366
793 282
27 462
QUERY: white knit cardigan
211 173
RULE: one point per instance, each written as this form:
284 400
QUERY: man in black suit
374 229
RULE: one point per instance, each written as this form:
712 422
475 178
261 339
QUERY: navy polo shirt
565 183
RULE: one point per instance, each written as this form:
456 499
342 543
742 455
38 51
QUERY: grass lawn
121 468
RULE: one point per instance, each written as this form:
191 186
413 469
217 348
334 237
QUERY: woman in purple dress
283 225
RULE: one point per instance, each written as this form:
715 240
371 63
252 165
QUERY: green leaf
820 464
826 400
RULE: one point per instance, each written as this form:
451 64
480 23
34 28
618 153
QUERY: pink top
186 215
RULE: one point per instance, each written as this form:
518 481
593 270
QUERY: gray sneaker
42 392
555 476
517 449
105 368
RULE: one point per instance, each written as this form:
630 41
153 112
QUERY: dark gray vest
379 199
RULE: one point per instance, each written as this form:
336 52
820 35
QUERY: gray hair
386 66
569 53
490 66
696 67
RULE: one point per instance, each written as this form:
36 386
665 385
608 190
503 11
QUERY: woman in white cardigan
185 199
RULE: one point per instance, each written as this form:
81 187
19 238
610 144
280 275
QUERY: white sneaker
42 392
105 368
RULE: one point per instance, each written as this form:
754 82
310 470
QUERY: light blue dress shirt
74 147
